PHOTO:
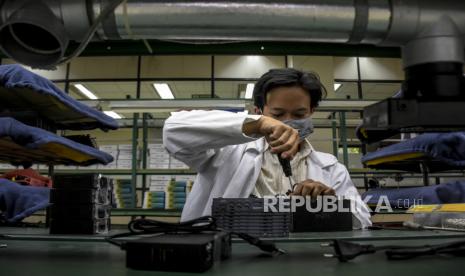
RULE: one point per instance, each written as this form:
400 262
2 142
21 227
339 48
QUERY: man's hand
283 139
312 188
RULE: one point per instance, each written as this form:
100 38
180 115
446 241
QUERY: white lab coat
228 162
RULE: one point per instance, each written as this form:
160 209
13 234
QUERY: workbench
32 251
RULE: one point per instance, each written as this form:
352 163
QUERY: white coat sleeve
194 137
346 188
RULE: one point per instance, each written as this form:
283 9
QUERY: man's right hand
283 139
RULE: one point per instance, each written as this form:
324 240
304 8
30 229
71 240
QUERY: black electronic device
246 215
303 220
80 181
81 204
80 211
79 226
186 252
189 246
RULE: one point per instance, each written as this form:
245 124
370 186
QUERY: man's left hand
312 188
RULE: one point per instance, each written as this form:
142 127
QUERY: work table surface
32 251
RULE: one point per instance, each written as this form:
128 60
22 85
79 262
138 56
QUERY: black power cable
345 250
199 225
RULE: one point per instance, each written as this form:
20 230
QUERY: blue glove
18 202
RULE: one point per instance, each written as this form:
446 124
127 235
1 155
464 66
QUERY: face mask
303 126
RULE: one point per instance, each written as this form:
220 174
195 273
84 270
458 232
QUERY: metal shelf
360 171
125 171
150 105
122 212
145 212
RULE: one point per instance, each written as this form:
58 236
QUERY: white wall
176 67
246 66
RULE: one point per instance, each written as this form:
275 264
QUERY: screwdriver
286 165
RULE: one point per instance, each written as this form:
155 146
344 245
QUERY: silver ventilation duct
437 26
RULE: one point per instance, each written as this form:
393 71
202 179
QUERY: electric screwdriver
286 165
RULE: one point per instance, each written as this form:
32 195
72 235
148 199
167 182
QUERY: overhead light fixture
337 86
86 91
113 114
249 91
163 91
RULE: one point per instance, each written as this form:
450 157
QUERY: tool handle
286 165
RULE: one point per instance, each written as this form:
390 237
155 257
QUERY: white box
159 160
185 177
124 164
128 154
155 146
124 157
108 148
7 167
157 150
182 166
160 177
158 184
157 188
125 147
159 156
111 165
114 154
159 166
125 152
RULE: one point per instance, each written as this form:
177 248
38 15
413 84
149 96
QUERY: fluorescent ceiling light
113 114
86 91
249 91
337 86
163 90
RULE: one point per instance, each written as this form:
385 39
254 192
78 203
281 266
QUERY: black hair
288 77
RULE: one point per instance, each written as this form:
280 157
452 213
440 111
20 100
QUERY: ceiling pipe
400 23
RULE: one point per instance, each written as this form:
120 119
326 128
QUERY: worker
235 155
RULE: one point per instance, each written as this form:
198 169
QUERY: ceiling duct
36 27
32 34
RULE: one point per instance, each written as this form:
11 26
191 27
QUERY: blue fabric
33 138
85 117
18 202
453 192
447 148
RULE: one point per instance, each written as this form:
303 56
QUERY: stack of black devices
81 204
247 215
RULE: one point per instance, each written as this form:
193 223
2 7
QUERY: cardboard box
124 164
108 148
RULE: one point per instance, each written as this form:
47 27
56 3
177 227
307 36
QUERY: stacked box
157 157
176 195
177 165
124 159
158 183
113 151
122 155
7 167
174 188
154 200
189 181
123 194
81 204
